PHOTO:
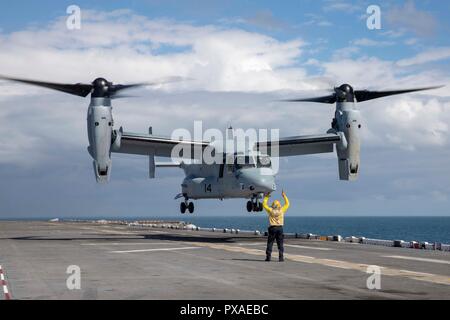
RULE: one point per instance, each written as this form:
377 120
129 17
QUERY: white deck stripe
418 259
159 249
120 232
306 247
4 284
251 244
286 245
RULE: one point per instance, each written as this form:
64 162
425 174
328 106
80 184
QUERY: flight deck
123 262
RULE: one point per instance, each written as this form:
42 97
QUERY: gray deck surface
119 262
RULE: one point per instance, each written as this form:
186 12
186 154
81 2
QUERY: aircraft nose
266 184
254 180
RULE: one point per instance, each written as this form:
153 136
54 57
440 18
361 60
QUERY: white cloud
375 73
406 121
345 53
366 42
411 41
360 72
430 55
265 19
125 47
239 76
408 18
410 122
393 34
317 20
341 6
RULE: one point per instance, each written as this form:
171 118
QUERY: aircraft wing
159 146
147 144
299 145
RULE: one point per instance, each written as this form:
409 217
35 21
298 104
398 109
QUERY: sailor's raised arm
266 199
286 202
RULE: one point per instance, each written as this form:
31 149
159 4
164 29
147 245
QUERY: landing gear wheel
183 207
249 206
191 207
260 207
255 206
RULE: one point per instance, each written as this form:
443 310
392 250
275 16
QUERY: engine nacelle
100 124
102 176
347 123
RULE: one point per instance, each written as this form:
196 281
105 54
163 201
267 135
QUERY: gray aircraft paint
348 121
206 181
99 127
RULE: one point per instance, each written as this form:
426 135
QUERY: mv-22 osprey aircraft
248 175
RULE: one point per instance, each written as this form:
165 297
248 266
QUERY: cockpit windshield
242 162
264 162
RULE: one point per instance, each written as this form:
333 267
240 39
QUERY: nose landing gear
249 206
254 205
186 205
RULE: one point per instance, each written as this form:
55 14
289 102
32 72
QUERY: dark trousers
275 233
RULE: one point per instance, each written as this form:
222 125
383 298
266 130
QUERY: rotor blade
78 89
324 99
168 80
364 95
158 82
120 87
115 89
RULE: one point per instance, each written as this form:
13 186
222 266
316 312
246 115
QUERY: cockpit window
241 162
244 162
264 162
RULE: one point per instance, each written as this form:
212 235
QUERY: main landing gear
186 205
254 205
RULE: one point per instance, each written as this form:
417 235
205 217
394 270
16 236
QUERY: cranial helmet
276 204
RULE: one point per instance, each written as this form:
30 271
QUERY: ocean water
431 229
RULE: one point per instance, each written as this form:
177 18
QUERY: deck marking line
251 243
421 276
158 249
4 285
306 247
418 259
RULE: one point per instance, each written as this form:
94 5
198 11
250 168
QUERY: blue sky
284 20
243 55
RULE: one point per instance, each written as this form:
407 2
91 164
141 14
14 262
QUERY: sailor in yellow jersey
276 219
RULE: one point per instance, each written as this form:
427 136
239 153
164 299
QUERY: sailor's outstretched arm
286 202
265 205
